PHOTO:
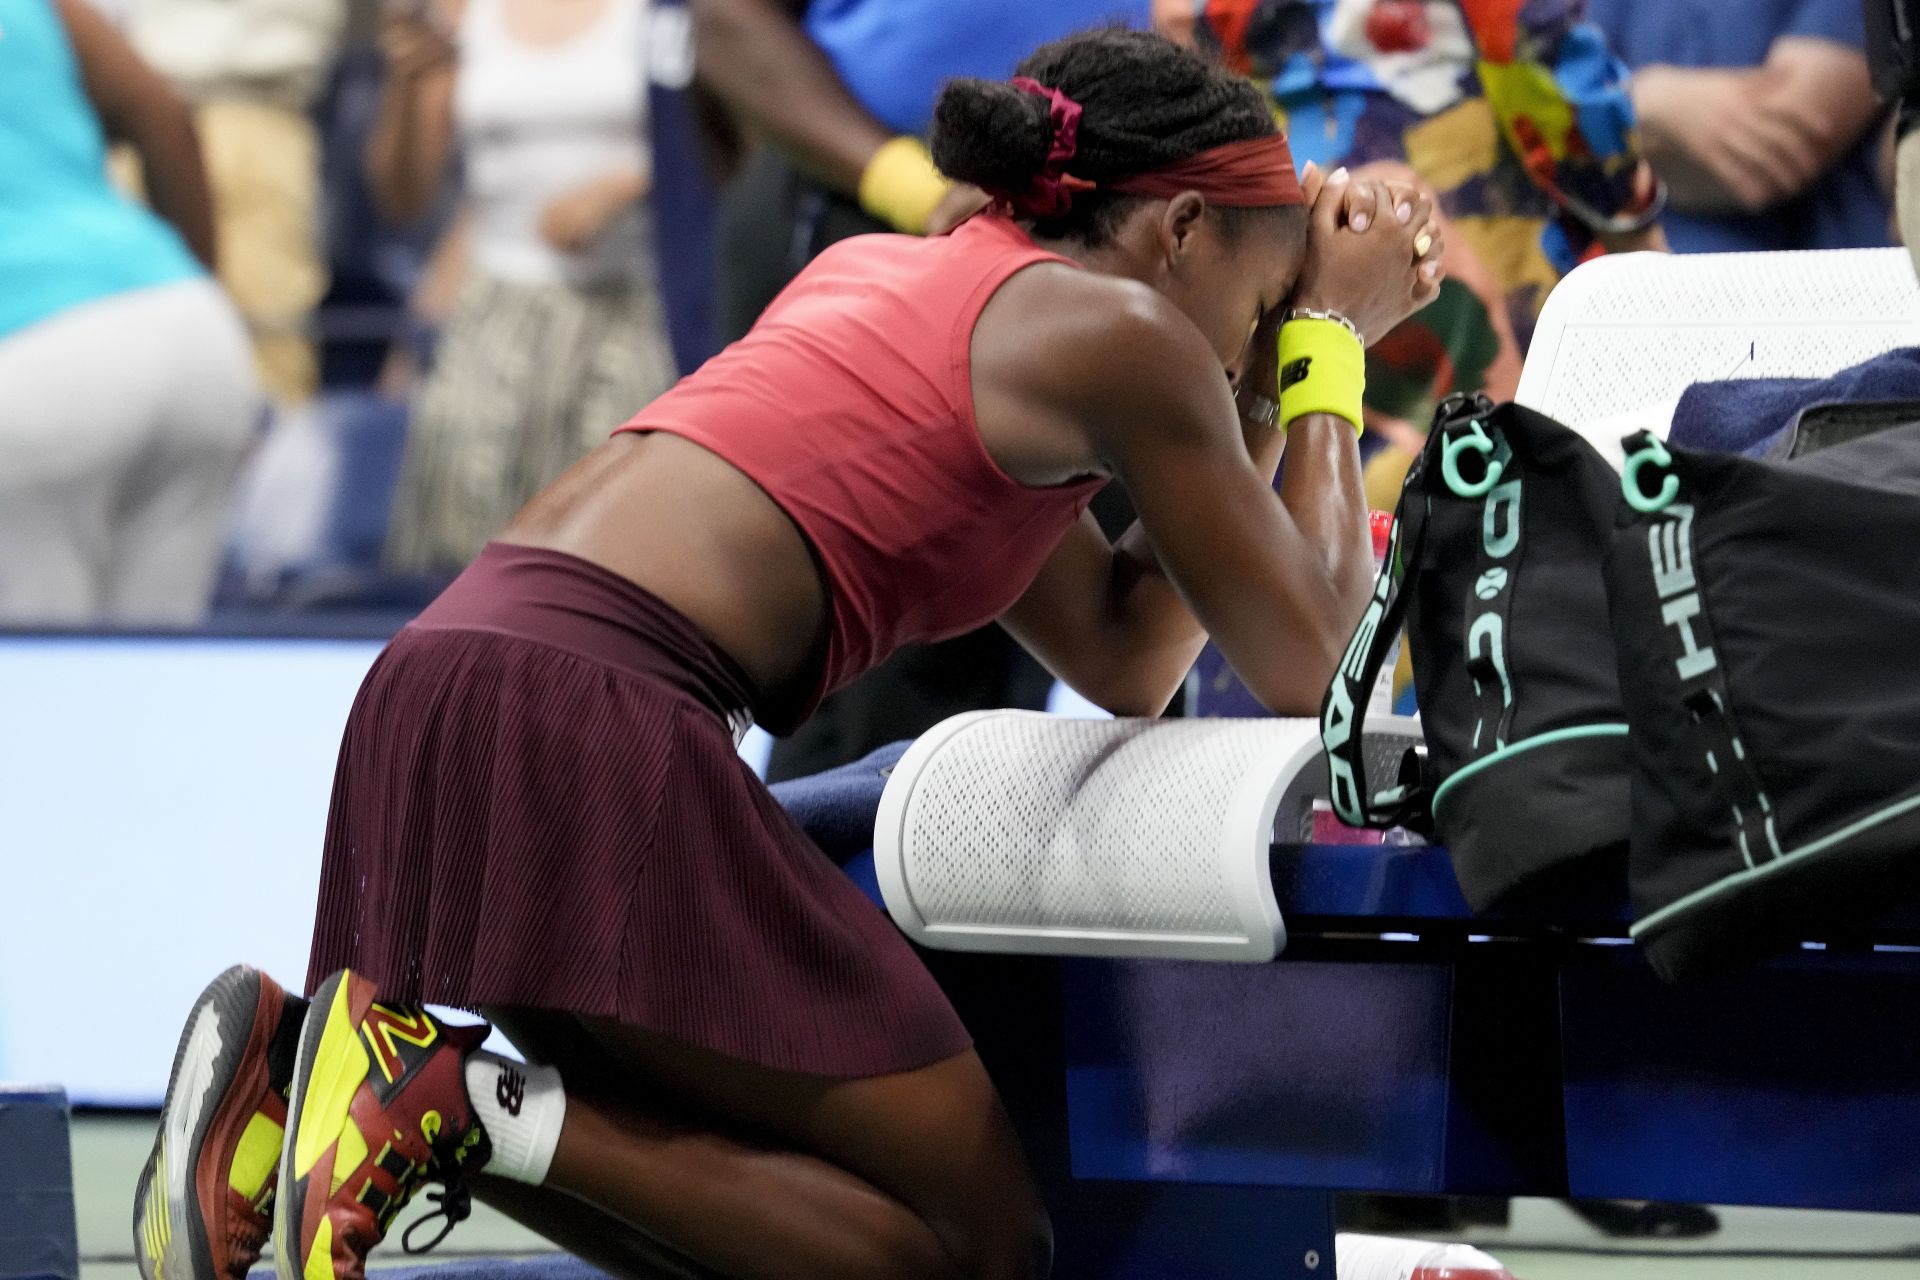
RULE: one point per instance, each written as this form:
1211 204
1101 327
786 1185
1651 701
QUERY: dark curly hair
1146 103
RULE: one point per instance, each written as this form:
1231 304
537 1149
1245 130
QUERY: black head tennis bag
1766 615
1496 567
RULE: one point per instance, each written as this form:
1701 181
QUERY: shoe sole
237 1010
290 1205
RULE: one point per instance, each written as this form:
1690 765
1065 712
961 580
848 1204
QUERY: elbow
1298 685
1296 696
1131 705
398 201
161 129
172 113
1129 691
399 209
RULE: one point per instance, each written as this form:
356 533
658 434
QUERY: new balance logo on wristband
511 1092
1293 373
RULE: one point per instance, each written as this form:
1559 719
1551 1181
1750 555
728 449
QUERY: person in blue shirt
1759 114
837 94
127 391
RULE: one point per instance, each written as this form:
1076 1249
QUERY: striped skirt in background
527 379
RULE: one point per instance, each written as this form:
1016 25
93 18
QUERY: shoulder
1063 314
1102 349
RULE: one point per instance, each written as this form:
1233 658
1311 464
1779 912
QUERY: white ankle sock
522 1108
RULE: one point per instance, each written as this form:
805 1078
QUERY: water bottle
1380 703
1358 1257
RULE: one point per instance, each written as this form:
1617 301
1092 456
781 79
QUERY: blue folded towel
837 808
1747 415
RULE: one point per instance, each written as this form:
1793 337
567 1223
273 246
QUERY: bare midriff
687 526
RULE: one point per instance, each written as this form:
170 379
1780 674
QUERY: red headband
1251 173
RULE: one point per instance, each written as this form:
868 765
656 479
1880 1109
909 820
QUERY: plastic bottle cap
1382 525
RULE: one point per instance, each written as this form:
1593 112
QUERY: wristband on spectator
900 185
1323 369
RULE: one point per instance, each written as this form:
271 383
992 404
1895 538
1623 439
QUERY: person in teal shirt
126 389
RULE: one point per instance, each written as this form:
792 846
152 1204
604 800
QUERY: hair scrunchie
1053 188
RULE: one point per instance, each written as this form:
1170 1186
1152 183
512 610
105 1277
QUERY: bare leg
613 1246
765 1175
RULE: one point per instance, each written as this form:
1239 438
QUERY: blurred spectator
1515 116
838 94
253 69
558 335
126 392
1758 115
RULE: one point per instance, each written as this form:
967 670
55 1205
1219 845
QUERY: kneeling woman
539 812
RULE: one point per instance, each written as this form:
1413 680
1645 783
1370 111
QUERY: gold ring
1422 243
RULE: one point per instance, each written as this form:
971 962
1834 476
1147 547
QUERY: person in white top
559 335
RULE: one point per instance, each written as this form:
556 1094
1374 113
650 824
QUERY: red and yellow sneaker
378 1109
202 1209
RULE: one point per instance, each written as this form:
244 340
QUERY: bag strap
1458 429
1687 637
1489 635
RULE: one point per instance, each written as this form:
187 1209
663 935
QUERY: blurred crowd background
301 299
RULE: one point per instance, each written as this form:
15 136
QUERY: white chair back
1622 336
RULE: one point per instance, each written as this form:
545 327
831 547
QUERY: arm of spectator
756 57
573 220
412 137
138 108
1744 140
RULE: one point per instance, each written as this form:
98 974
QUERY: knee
1015 1245
1037 1247
1010 1246
915 1253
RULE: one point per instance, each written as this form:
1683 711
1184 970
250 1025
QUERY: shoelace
454 1206
246 1240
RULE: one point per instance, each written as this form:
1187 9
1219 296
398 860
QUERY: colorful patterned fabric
1513 111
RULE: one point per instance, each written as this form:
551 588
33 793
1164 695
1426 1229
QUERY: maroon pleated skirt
538 803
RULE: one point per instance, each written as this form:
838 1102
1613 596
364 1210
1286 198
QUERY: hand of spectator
1742 140
1176 20
572 221
413 46
1706 133
1373 251
961 203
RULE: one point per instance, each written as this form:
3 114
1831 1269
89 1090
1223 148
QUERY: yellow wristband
1323 369
901 187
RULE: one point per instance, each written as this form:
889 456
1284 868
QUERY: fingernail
1405 213
1360 221
1308 170
1339 175
1428 270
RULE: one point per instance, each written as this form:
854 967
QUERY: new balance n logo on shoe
385 1025
511 1092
